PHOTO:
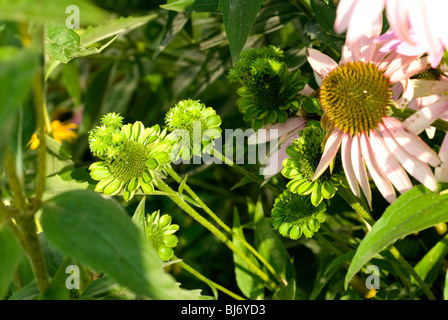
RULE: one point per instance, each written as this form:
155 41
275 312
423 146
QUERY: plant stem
356 282
361 209
276 189
33 249
198 200
204 222
211 283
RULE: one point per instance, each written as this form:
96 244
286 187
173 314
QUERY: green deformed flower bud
294 215
160 233
304 156
269 90
200 122
132 156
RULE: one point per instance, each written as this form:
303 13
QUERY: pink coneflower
418 26
355 97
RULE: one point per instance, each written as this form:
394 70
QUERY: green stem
356 282
211 283
361 209
276 189
199 201
33 249
175 197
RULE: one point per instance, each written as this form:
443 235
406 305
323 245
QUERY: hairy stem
175 197
198 200
209 282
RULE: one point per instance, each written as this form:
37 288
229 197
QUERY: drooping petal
407 94
344 12
321 63
382 182
424 117
330 150
268 133
397 15
442 171
275 160
411 142
403 67
389 164
416 168
360 169
346 152
364 48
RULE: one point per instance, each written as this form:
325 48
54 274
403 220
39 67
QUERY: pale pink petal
419 170
346 155
382 182
405 67
274 163
411 142
347 55
389 164
425 88
321 63
364 48
307 90
397 14
360 169
442 171
330 150
424 117
408 93
277 131
364 15
344 12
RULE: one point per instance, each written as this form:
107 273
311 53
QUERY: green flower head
160 233
199 122
132 156
305 153
294 215
268 89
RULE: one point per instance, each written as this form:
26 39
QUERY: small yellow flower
60 131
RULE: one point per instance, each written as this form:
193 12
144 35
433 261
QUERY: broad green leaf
415 210
64 44
113 27
98 232
139 217
273 250
238 16
58 289
50 10
429 266
249 283
10 255
325 14
106 288
17 70
192 6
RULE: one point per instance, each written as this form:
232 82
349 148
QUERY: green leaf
10 255
50 10
113 27
325 14
239 17
415 210
445 290
98 232
273 250
17 69
58 289
64 44
249 283
429 266
176 22
139 217
192 6
70 79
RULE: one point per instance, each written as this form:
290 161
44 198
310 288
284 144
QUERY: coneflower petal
389 164
442 171
411 142
346 152
419 170
382 182
330 150
424 117
321 63
360 169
